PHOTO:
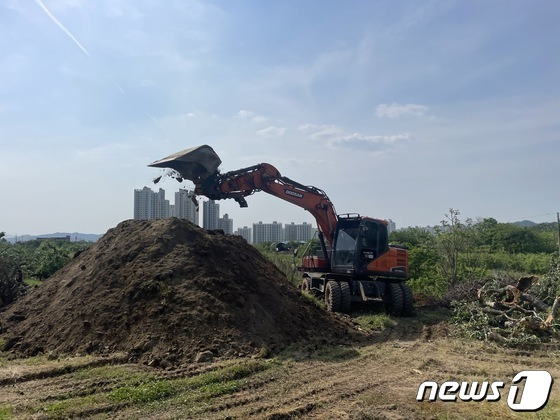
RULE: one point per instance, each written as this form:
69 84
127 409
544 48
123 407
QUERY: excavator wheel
305 285
333 296
408 300
345 297
393 299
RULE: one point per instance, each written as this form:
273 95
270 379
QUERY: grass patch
6 412
143 389
314 300
375 322
2 344
207 385
61 408
144 393
32 282
228 373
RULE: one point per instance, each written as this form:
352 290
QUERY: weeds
375 322
314 300
6 412
145 393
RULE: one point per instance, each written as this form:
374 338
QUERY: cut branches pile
510 312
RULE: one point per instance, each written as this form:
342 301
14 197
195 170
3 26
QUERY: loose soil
163 291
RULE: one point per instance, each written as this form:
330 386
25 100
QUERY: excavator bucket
195 164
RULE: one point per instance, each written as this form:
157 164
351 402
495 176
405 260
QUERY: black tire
393 298
408 300
333 296
305 285
345 297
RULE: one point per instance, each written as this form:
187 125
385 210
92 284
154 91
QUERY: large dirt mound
163 291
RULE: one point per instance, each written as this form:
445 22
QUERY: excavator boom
200 165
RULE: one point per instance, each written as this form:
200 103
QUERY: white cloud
337 137
250 115
272 132
395 110
316 132
243 113
359 141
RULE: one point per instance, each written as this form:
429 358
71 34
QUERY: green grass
6 412
33 282
135 388
2 345
314 300
375 322
62 408
207 385
145 393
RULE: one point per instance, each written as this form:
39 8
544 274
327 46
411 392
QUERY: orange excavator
355 262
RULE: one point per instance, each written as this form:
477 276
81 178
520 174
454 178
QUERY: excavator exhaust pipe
195 164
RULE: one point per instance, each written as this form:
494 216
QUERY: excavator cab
358 242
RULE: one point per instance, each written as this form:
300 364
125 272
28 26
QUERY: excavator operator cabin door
373 242
346 245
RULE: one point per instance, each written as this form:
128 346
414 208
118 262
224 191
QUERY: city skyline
149 204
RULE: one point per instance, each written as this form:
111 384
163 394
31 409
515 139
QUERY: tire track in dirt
323 387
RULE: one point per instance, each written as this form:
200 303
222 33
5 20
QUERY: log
553 312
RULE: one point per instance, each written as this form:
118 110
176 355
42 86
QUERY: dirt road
377 380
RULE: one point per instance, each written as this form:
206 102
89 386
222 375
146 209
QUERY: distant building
392 226
298 232
226 224
210 214
185 206
267 232
246 233
150 205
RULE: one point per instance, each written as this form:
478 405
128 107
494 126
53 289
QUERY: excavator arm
265 177
200 165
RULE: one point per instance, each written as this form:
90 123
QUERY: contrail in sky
61 26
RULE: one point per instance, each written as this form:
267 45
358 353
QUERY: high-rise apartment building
267 232
210 214
185 206
246 233
150 205
392 226
298 232
226 224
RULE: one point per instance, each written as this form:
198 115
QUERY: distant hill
74 236
524 223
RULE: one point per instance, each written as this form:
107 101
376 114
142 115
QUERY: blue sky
397 109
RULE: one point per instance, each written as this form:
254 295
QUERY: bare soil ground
376 380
